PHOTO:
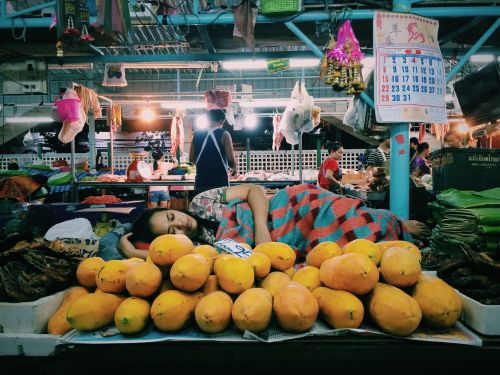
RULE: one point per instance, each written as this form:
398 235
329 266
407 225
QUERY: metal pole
300 157
73 172
400 168
3 9
473 50
111 154
293 159
303 37
248 155
318 152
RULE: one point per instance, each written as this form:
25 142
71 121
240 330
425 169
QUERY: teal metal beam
303 37
473 50
31 9
314 16
178 57
3 8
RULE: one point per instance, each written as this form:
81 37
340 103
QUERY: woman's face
337 155
173 222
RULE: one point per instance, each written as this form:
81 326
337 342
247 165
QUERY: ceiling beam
314 16
176 57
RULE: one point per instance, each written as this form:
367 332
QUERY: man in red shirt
330 174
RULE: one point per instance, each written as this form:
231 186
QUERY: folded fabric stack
465 217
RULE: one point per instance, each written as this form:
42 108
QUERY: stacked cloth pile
465 217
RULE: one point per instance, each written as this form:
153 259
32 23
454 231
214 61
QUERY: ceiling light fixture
70 66
167 65
184 104
482 58
263 103
24 120
262 64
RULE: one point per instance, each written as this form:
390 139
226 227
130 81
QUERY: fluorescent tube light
263 103
167 65
70 66
184 104
22 120
304 63
262 64
482 58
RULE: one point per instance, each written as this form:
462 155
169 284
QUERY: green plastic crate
276 7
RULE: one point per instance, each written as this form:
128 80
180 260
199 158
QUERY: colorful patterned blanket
305 215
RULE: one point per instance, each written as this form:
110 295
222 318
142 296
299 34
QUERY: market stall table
353 354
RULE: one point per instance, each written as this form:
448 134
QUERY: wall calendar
410 84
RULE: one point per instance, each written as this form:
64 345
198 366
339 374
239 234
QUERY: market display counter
307 356
186 185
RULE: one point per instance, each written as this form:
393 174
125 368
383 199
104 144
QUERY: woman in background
158 196
420 165
330 173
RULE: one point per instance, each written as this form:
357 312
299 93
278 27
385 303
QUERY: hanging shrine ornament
344 62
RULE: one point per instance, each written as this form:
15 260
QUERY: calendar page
409 71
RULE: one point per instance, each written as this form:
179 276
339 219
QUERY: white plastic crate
29 317
483 318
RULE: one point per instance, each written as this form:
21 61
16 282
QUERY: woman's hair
414 140
141 228
216 115
157 155
335 146
422 146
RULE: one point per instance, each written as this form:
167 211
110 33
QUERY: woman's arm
128 250
259 204
227 142
192 157
329 177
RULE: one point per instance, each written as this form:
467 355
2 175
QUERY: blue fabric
210 172
108 244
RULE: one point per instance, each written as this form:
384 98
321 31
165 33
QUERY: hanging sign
277 65
409 71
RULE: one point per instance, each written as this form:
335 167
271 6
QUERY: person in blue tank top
212 153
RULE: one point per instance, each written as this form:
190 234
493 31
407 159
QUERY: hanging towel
245 16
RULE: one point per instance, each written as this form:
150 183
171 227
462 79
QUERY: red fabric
329 164
101 199
421 133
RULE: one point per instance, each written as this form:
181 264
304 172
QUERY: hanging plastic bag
298 114
71 128
28 139
114 75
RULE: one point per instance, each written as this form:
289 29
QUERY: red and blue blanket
305 215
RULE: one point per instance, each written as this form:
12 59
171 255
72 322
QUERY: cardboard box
483 318
29 317
354 178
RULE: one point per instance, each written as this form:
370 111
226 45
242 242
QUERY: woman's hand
262 235
128 249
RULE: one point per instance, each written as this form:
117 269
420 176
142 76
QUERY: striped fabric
305 215
376 159
79 176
